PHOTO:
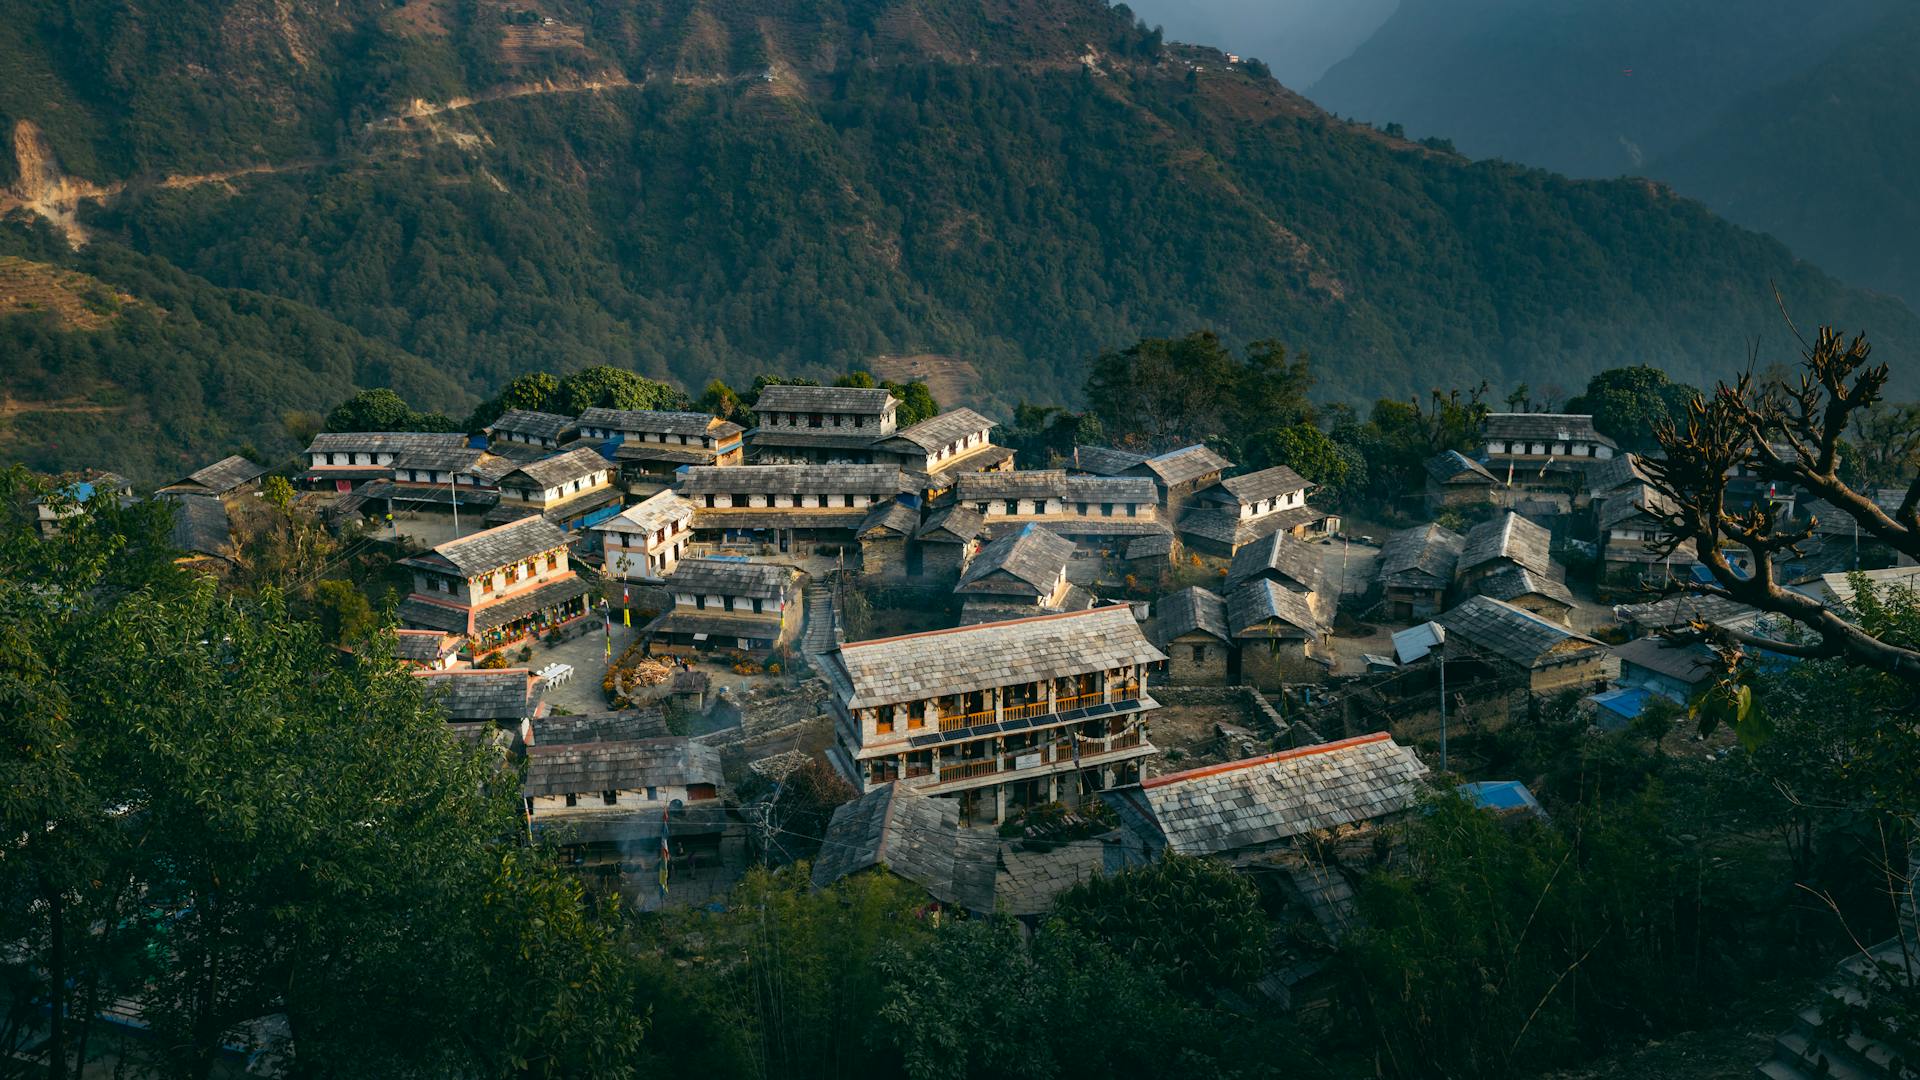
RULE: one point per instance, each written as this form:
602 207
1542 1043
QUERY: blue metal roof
1625 703
1500 795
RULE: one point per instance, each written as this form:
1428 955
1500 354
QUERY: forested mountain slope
724 187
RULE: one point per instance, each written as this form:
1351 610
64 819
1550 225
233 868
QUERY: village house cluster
1078 604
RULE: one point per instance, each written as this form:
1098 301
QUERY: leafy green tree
859 380
379 409
1161 392
1195 921
720 400
345 615
607 387
1335 467
318 850
536 390
916 402
1629 403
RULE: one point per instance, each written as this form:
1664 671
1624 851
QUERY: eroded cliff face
43 188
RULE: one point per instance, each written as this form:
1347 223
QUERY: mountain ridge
750 191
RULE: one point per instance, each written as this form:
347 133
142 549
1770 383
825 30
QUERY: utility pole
453 496
1440 652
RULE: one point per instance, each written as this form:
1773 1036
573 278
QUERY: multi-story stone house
1416 568
999 716
466 477
646 541
524 433
1190 626
1022 573
1631 552
1097 512
1545 656
1241 509
1544 456
820 424
573 489
934 451
786 505
344 460
1278 635
887 548
651 446
947 541
1179 475
1454 479
723 603
1509 559
497 586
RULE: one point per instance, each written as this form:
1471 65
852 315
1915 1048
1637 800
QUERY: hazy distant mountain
451 192
1826 160
1585 87
1298 39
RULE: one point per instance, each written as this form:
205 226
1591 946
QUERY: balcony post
930 713
999 700
1053 695
999 804
1106 687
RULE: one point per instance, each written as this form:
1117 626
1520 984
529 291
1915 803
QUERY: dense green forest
803 191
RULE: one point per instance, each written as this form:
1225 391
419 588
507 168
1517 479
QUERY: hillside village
1010 673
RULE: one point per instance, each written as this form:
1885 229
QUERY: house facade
1095 512
652 445
1416 568
786 505
1508 558
1190 626
230 476
820 424
647 540
519 432
1454 479
496 587
344 460
1000 715
935 450
1545 655
1242 509
721 603
574 489
1022 573
464 477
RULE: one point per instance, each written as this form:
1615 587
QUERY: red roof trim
1284 755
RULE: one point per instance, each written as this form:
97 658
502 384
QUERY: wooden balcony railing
967 770
1024 712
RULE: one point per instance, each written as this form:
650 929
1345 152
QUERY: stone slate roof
660 421
937 433
1265 484
1111 489
481 464
1515 582
917 666
1255 603
1510 633
200 525
1454 467
626 725
848 518
562 468
425 645
981 608
815 438
898 829
1229 528
889 517
1033 556
658 511
473 694
793 480
1158 545
1682 609
1893 577
1278 553
1074 525
496 547
386 442
1187 611
415 612
822 399
1422 557
1616 472
517 607
1543 427
1018 484
1630 501
1186 464
1222 809
1104 460
1690 663
540 425
1508 536
721 577
954 524
717 623
220 477
593 767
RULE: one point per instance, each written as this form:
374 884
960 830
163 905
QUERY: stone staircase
822 632
1806 1052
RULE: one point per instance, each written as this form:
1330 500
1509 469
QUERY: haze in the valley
1299 39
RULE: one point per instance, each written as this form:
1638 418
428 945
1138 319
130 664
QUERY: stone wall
1559 677
1259 714
1184 670
1271 666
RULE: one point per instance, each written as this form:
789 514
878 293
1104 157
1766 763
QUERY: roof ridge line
1266 759
980 626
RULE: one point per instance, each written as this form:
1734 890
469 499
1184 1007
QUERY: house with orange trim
497 586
